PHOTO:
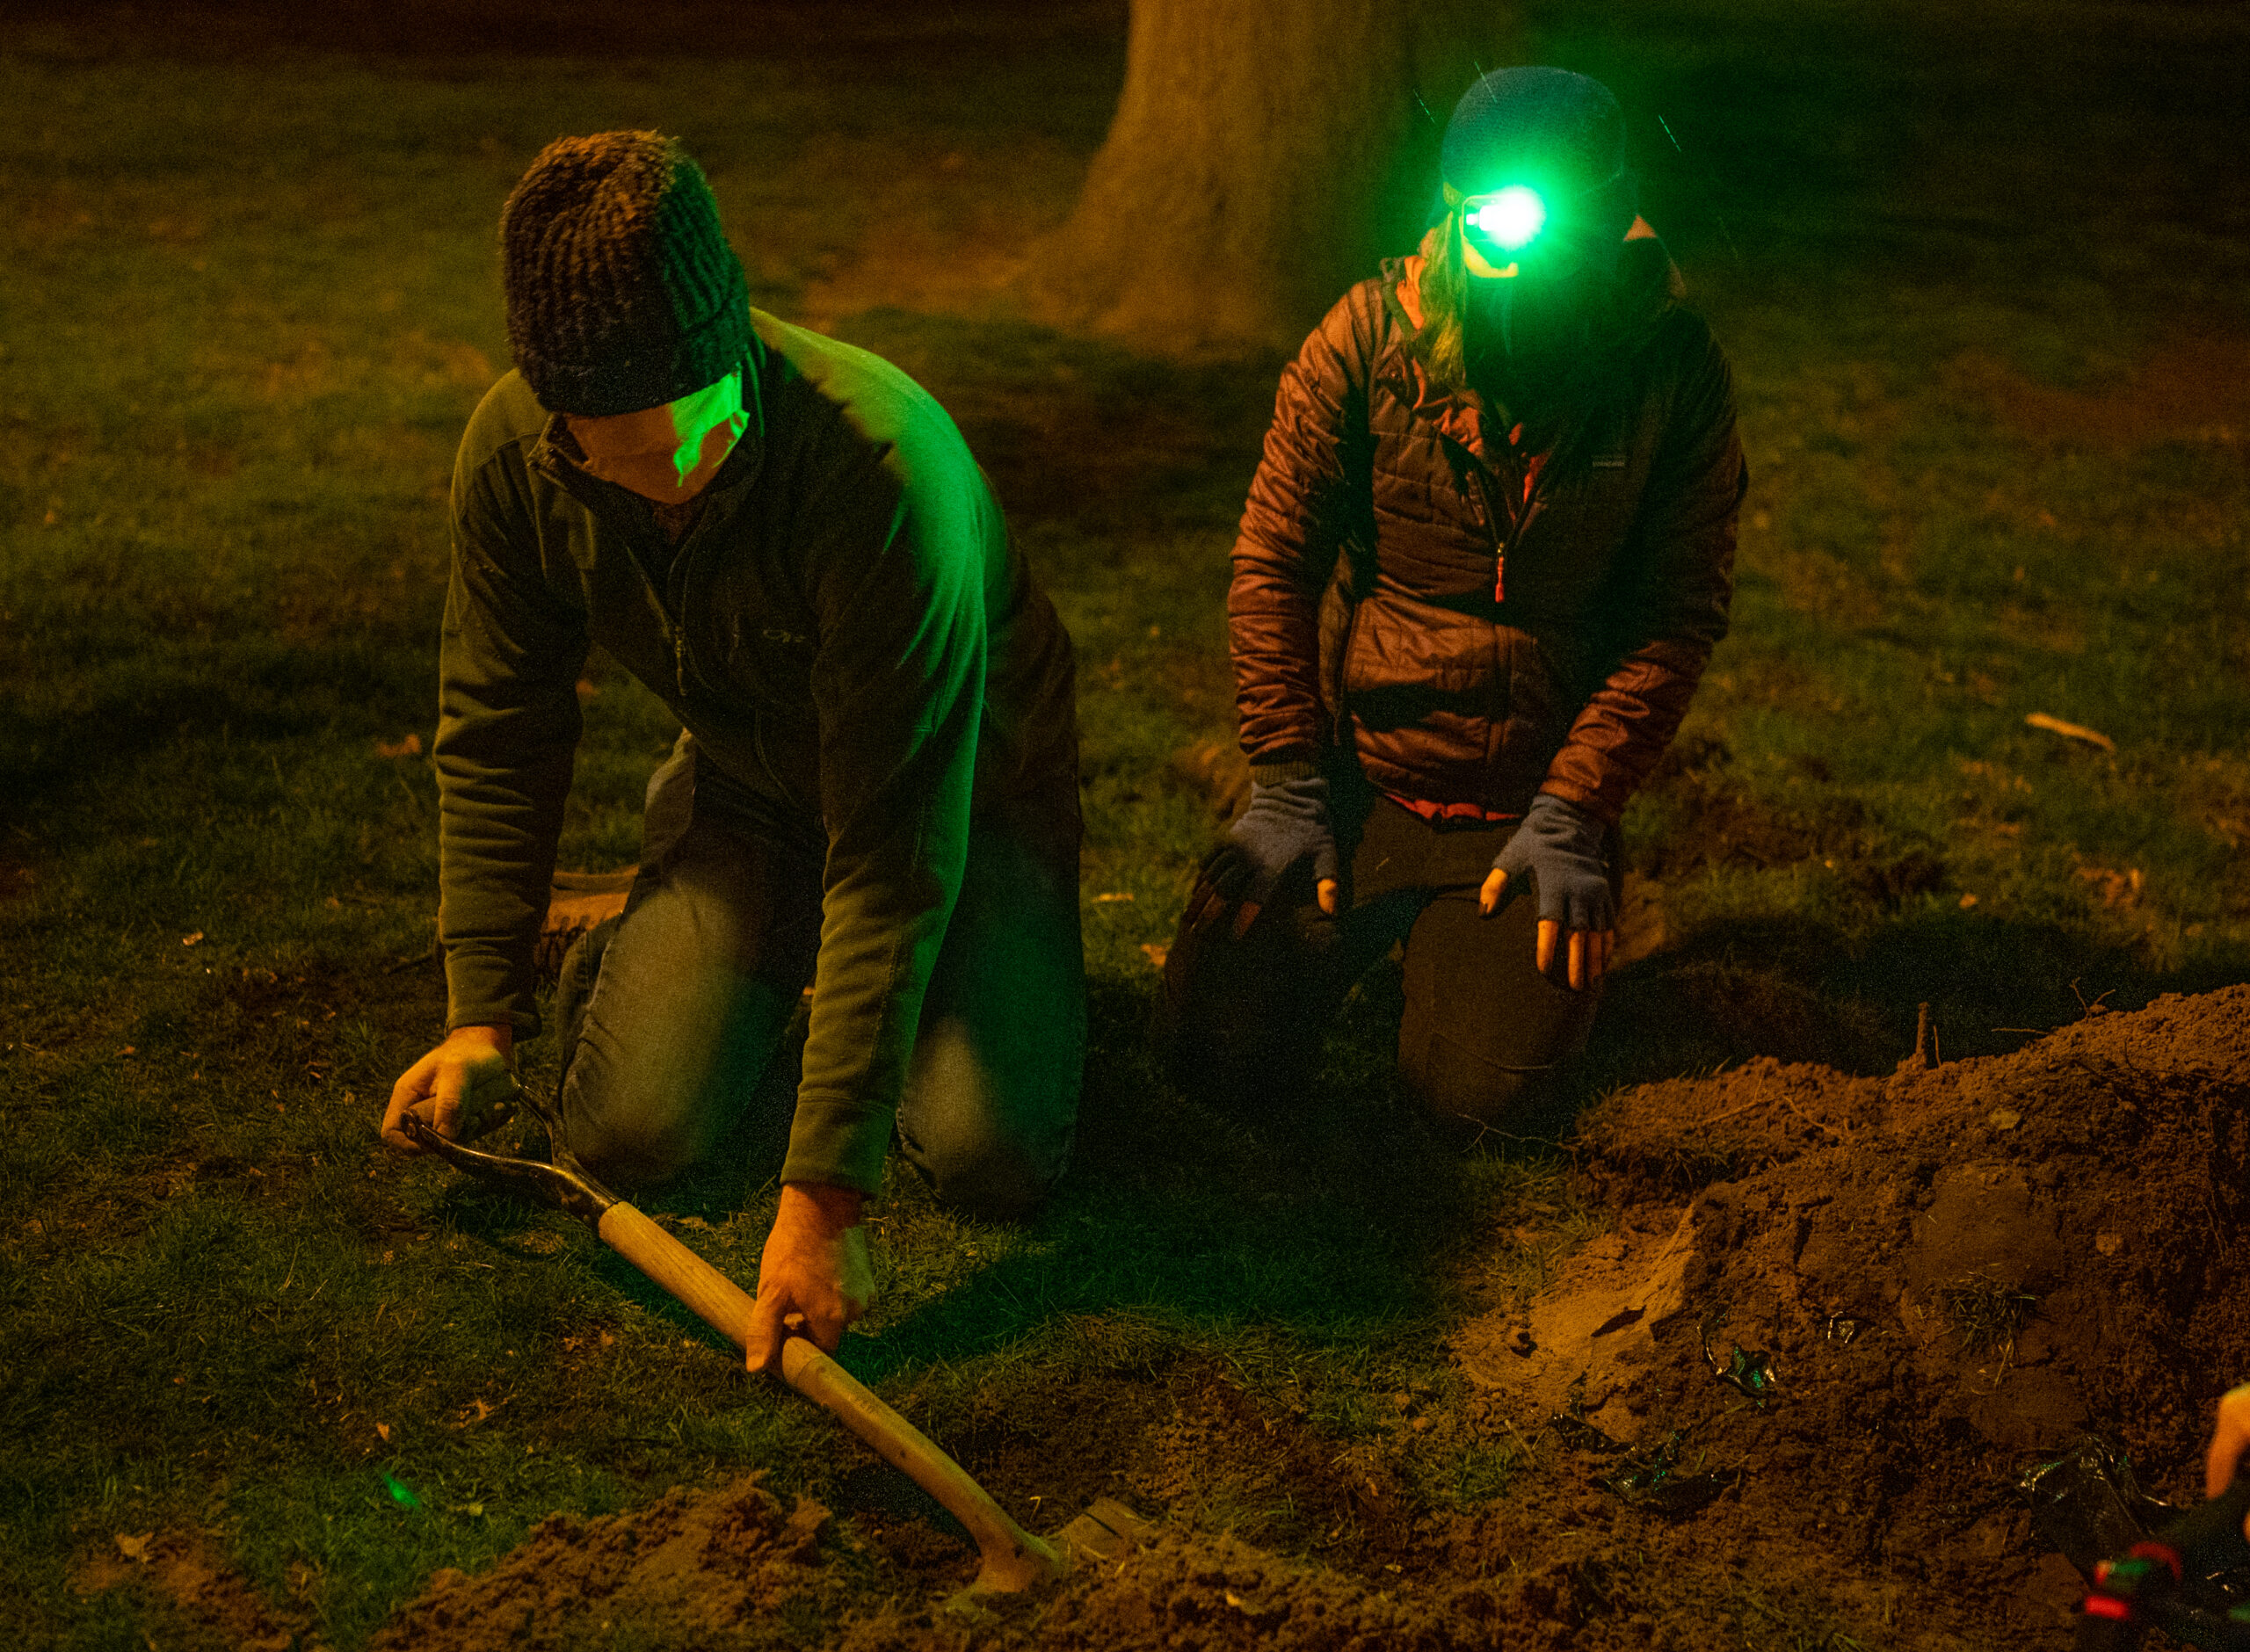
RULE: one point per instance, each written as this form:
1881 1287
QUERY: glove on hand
1559 844
1286 822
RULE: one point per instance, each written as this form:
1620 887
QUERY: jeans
672 1014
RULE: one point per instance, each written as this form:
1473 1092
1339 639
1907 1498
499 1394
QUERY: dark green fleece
846 630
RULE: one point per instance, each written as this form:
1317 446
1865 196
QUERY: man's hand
815 1269
1559 847
2229 1440
460 1089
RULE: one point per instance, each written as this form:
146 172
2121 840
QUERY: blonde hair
1442 344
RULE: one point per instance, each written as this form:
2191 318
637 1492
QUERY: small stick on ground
1925 1056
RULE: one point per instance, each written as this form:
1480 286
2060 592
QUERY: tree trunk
1264 156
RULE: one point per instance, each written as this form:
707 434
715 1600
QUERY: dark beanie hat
622 291
1539 124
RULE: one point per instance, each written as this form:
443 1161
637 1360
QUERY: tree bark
1264 153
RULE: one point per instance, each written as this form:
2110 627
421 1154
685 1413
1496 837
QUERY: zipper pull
679 662
1500 577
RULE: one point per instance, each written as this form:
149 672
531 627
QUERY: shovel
1013 1559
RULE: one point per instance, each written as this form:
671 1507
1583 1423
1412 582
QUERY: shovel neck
561 1187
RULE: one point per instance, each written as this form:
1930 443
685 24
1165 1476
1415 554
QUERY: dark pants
671 1016
1482 1028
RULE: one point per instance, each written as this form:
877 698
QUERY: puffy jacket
1472 625
845 631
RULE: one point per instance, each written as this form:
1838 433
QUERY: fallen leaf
1157 952
1104 900
2003 1118
2069 730
383 1429
2108 1244
1968 901
190 940
135 1548
409 747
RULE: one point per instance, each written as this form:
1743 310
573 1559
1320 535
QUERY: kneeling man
876 791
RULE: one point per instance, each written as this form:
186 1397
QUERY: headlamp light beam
1511 218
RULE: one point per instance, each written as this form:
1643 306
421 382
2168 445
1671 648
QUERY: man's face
668 453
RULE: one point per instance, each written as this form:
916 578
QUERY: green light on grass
1511 218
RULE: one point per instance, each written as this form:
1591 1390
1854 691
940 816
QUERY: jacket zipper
765 761
678 634
1501 545
1518 523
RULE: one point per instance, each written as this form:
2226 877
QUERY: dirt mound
685 1571
1862 1306
1185 1590
191 1594
1784 1401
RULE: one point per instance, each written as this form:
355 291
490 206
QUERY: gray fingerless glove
1558 847
1286 822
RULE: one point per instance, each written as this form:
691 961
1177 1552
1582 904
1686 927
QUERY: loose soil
200 1600
1920 1285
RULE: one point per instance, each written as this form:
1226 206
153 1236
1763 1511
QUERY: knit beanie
622 293
1550 127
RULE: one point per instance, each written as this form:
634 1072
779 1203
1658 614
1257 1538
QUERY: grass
1980 275
1985 1313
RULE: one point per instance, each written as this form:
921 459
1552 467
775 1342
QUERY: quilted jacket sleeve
1676 582
1309 488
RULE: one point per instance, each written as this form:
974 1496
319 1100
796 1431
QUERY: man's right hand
813 1270
2230 1439
460 1089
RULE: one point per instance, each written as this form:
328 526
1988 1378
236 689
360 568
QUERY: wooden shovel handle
1012 1558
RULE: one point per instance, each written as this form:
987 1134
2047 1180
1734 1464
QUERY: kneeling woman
1484 563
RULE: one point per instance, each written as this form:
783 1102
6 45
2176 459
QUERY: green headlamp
1505 222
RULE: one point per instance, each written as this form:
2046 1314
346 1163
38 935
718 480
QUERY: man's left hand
814 1270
